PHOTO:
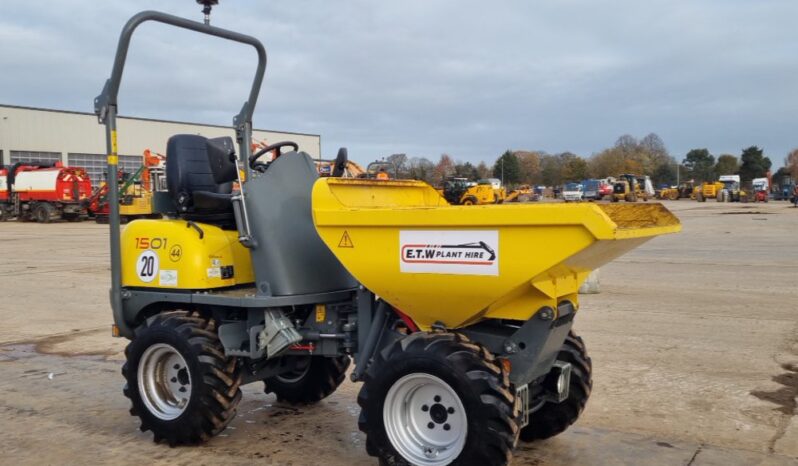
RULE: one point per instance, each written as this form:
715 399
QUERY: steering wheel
260 166
340 163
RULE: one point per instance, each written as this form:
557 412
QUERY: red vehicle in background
605 188
595 189
43 192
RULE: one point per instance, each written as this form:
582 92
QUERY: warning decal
459 252
346 241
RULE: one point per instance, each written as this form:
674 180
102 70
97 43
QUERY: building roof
39 109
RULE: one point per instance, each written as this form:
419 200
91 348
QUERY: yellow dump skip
457 264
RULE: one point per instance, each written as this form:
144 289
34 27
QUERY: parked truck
760 190
784 188
731 191
43 192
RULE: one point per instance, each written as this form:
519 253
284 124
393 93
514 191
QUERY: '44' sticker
147 266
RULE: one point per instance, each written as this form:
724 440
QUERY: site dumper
459 319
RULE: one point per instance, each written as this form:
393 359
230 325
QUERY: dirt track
694 341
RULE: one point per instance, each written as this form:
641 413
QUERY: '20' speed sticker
147 266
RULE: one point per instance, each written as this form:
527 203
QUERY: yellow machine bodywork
515 194
671 194
483 194
541 252
137 202
710 190
627 194
176 254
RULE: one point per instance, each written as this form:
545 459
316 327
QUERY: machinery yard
694 339
234 295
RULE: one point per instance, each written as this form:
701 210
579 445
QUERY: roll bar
105 106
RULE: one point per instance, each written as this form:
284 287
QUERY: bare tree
529 163
791 163
400 162
421 168
443 170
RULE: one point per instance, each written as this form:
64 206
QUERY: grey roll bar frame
105 106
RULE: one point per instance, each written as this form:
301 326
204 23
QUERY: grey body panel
289 258
531 347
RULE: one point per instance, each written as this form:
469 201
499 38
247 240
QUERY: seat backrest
188 169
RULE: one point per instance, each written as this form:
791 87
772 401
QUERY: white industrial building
76 138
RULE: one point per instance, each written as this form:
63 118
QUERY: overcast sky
426 77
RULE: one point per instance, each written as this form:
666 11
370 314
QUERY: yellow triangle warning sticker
346 241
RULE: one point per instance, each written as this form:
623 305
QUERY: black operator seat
199 186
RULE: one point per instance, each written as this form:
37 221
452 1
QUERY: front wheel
43 212
312 379
438 399
553 418
179 382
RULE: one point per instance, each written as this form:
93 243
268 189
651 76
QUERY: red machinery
135 191
43 191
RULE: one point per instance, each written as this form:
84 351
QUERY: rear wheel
312 379
437 399
470 200
554 418
181 385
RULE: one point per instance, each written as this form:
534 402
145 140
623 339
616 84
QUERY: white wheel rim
164 381
425 420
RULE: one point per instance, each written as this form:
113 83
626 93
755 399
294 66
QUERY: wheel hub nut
438 413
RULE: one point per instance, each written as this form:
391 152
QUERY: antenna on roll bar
206 8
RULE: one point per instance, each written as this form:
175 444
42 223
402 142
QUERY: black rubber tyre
43 212
313 381
481 385
213 397
470 200
554 418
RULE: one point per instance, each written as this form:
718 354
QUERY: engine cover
177 254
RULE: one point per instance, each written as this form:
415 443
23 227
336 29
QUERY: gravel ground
694 340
